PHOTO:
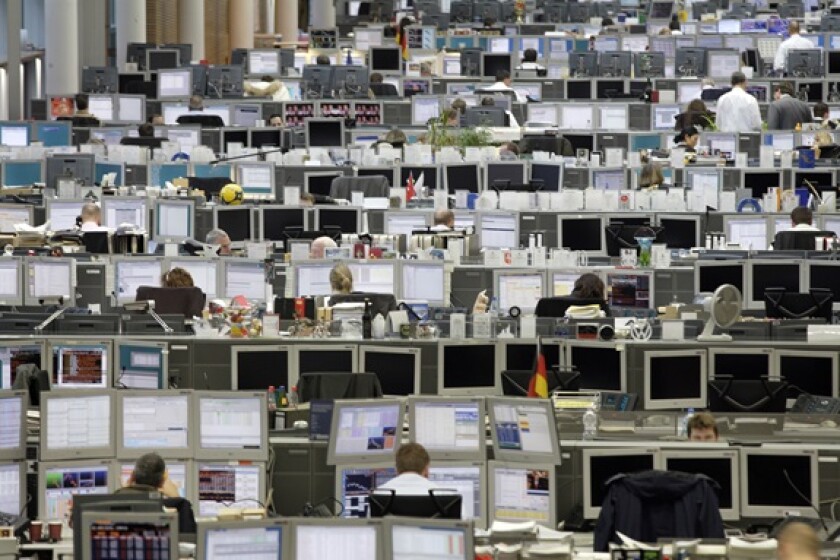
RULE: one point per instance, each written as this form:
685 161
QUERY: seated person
319 245
91 218
341 282
702 427
802 235
824 145
220 239
412 471
379 88
587 300
529 61
145 137
651 177
798 541
268 87
444 220
511 120
687 139
197 115
82 116
177 278
150 475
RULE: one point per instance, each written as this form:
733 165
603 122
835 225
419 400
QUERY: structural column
93 23
62 46
14 20
191 26
321 14
287 20
241 22
131 26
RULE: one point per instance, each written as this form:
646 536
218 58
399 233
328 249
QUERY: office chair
443 504
384 90
373 186
338 385
143 141
380 304
97 242
82 122
798 240
557 306
182 301
780 304
203 120
547 143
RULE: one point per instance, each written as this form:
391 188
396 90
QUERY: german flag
402 41
538 386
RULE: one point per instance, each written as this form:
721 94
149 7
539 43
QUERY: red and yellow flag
538 386
402 41
409 187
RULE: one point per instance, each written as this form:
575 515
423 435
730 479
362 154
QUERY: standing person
737 111
786 112
794 42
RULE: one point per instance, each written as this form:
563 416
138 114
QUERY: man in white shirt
444 220
737 110
412 470
91 218
802 218
503 82
794 42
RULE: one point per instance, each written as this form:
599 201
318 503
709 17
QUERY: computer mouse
828 424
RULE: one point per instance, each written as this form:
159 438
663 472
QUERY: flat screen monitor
274 221
633 289
582 233
162 59
59 482
256 179
453 379
221 485
521 289
63 214
345 220
80 364
609 179
773 274
14 134
461 177
759 182
355 482
424 108
13 491
14 354
319 183
805 63
318 539
452 540
333 357
522 492
174 220
600 465
523 429
722 466
449 428
231 425
404 223
776 482
264 62
48 278
824 274
174 84
679 232
120 211
664 390
577 117
495 62
365 431
236 221
154 420
77 424
131 108
131 273
53 133
312 279
141 365
662 117
398 369
550 174
11 286
159 174
498 230
226 540
21 174
750 232
69 166
814 372
149 534
427 174
386 60
423 281
508 172
244 278
721 64
600 367
583 65
741 363
255 368
13 428
324 133
373 277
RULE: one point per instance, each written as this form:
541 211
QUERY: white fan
724 307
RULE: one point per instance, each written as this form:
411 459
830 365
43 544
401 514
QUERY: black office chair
332 385
384 90
560 378
546 143
97 242
443 504
801 240
81 122
143 141
781 304
181 301
557 306
203 120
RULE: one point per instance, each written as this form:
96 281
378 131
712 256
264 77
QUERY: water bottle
682 428
590 423
272 398
282 400
494 307
293 397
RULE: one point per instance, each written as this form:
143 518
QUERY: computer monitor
236 221
773 273
220 540
519 288
154 420
805 63
324 133
478 380
550 174
582 233
263 62
376 276
449 428
428 173
759 182
78 167
312 279
80 364
244 278
141 365
319 182
355 482
663 116
118 211
750 232
494 62
577 116
327 357
814 372
132 272
709 275
53 133
583 64
318 539
346 220
13 491
59 482
174 84
255 368
741 363
47 278
11 287
615 64
511 172
14 354
600 465
609 179
523 429
498 230
14 134
63 214
461 176
225 484
147 534
162 59
665 391
721 64
486 116
824 274
204 272
232 425
159 174
720 465
365 431
600 366
775 482
225 81
522 492
424 108
100 79
13 429
77 424
274 220
423 281
453 539
690 62
398 369
404 223
649 64
174 220
386 60
630 289
679 231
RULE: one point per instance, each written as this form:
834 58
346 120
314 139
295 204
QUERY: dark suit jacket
785 113
186 517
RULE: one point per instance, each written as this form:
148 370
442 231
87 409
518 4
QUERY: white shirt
804 227
410 484
794 42
737 111
92 226
530 66
501 86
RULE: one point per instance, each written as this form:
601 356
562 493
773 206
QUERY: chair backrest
802 240
557 306
145 141
338 385
374 186
781 304
203 120
747 395
182 301
384 90
97 242
434 505
380 304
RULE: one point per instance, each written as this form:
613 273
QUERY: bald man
798 541
444 220
316 250
91 218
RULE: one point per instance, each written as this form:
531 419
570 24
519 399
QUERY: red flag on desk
538 386
409 187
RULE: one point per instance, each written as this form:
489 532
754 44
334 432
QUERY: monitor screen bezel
443 390
197 464
324 522
699 402
536 272
524 456
205 527
236 349
780 353
464 526
163 347
7 299
402 351
52 343
590 510
127 453
118 260
748 510
734 458
87 453
160 238
636 272
19 452
44 466
347 209
231 454
600 346
753 303
593 216
714 351
477 454
333 458
400 284
261 217
496 464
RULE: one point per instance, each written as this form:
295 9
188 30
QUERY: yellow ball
231 194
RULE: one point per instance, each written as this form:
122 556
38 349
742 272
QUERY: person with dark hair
276 120
687 138
589 286
674 25
503 83
822 116
695 114
651 176
82 104
150 476
737 110
801 219
529 61
156 120
412 471
322 60
146 130
590 290
787 111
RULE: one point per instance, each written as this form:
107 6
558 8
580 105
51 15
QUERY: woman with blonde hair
341 279
651 176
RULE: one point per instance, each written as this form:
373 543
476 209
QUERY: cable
807 500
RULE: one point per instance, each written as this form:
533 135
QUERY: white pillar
130 17
287 20
62 46
321 14
14 21
191 26
270 11
241 22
